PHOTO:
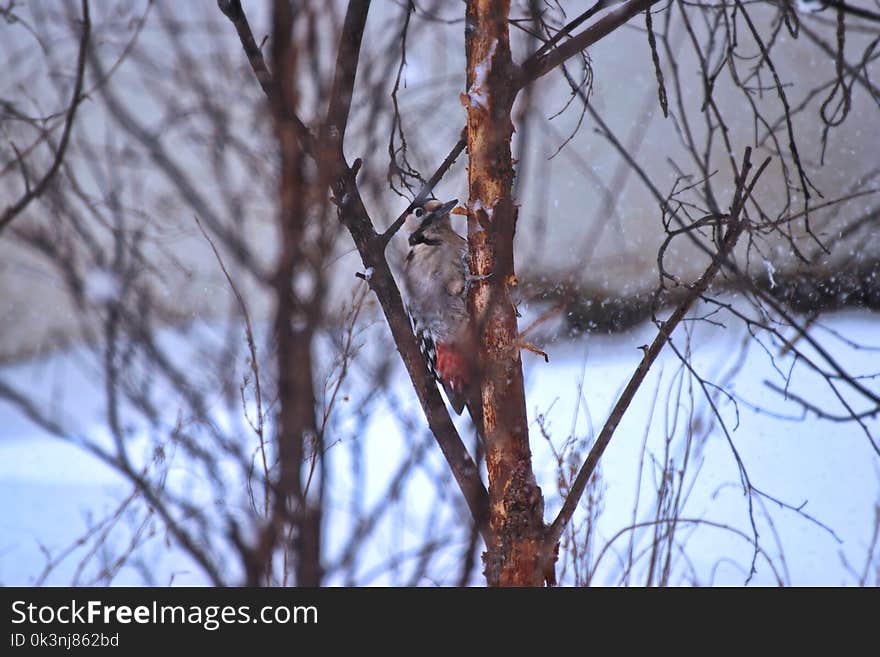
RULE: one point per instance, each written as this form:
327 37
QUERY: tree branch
347 58
535 66
737 223
867 14
539 64
371 246
233 10
427 188
13 210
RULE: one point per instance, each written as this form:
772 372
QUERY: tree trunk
295 317
515 555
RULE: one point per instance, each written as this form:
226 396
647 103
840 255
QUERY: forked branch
371 245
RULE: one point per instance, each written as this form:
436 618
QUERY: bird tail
470 399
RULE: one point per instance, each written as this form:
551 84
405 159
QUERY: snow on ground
52 491
829 467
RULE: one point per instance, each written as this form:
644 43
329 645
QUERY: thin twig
30 194
255 365
737 225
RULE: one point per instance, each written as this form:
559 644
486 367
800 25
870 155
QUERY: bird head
426 222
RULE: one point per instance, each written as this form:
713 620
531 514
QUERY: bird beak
446 208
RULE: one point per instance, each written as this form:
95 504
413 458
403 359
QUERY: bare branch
353 214
346 69
37 190
737 224
540 64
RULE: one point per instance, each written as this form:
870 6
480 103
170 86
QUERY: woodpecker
436 277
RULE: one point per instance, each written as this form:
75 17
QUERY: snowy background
53 492
120 234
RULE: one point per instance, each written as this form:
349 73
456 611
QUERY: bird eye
419 212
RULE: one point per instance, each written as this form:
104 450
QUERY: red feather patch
452 368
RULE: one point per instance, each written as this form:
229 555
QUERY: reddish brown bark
515 552
295 317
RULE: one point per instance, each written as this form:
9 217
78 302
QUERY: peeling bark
516 506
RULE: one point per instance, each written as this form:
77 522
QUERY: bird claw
470 279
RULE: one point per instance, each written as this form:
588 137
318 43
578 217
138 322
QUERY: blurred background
136 445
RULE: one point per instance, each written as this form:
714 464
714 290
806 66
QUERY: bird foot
470 279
